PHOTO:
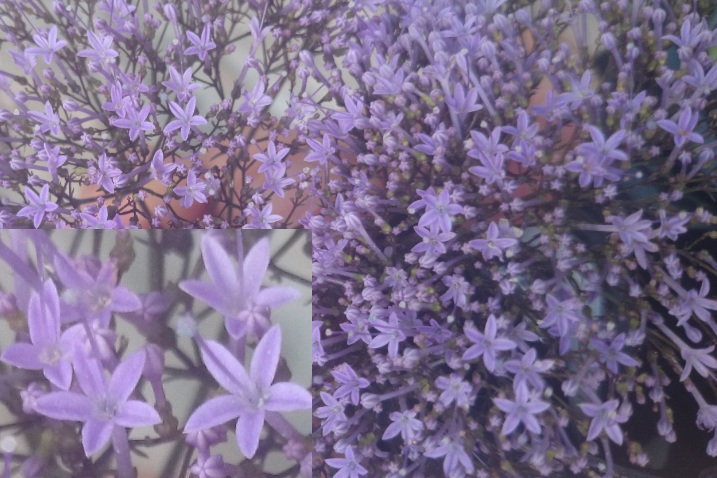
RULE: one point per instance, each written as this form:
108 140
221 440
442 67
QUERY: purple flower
683 129
612 354
100 50
350 383
486 344
404 423
521 410
185 118
696 303
433 240
456 461
119 103
49 350
107 172
635 233
194 190
102 405
605 417
320 152
39 205
200 46
261 219
238 295
181 84
251 395
528 369
332 414
48 121
581 90
276 180
46 45
100 221
348 467
92 292
455 389
439 209
604 149
54 159
272 159
254 101
135 121
524 132
562 314
353 116
493 245
701 359
463 103
486 148
391 334
160 171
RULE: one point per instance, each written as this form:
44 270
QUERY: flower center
50 355
105 409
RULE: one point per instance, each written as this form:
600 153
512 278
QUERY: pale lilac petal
504 404
90 374
248 429
225 368
287 397
65 406
219 265
39 328
52 301
391 431
123 300
136 414
125 377
205 292
69 275
95 435
276 296
614 432
23 355
511 423
255 264
60 374
266 358
596 426
214 412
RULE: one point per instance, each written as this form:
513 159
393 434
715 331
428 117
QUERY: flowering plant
88 352
513 277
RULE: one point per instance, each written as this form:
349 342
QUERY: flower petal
95 435
125 377
256 263
287 397
214 412
205 292
65 406
276 296
266 358
248 429
136 414
224 367
60 374
23 355
219 265
124 300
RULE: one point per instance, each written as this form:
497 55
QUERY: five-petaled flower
39 205
251 395
683 129
493 245
522 410
486 344
185 118
102 405
350 383
49 121
135 121
604 417
47 46
238 295
200 46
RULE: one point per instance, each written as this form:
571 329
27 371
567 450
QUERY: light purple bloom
54 160
49 350
332 414
100 50
350 383
102 405
456 461
100 221
200 46
612 354
181 84
348 467
251 395
683 130
272 158
605 417
404 423
486 344
135 121
320 152
194 190
261 219
696 303
493 245
528 369
391 334
49 121
562 313
701 359
439 209
455 389
39 205
160 171
46 45
185 118
238 295
522 410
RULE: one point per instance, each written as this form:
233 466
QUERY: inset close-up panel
148 353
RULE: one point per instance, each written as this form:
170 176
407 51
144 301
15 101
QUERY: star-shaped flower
195 190
185 118
39 205
522 410
493 245
605 417
486 344
251 395
200 46
237 294
102 405
49 350
46 45
135 121
49 121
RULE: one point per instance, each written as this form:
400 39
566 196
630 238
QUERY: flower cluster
157 111
515 251
74 362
